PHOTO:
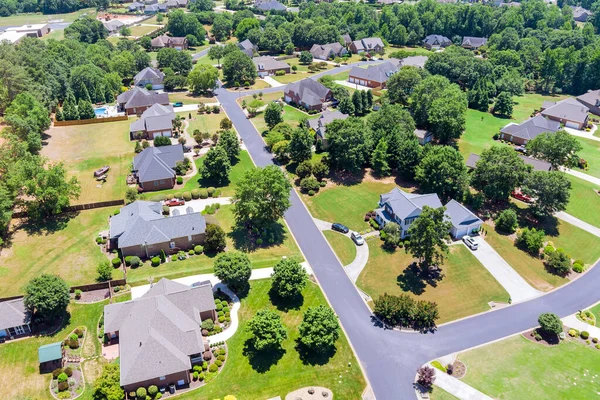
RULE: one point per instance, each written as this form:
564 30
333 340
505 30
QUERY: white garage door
570 124
166 133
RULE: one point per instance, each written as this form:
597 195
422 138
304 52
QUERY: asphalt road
391 358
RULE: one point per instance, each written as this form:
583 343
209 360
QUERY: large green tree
233 269
498 172
108 385
262 196
216 166
550 191
428 236
229 141
267 330
238 68
319 329
203 78
300 146
289 278
27 119
443 171
349 144
401 84
47 295
558 148
273 115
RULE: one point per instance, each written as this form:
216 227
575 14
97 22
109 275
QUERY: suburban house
404 208
268 65
155 121
151 9
473 43
569 112
528 130
424 136
149 75
537 165
159 333
33 30
14 319
374 75
580 14
369 45
435 42
136 6
327 51
177 3
137 100
113 25
389 2
248 48
270 5
414 61
591 100
51 357
163 41
140 229
319 125
347 39
307 93
154 166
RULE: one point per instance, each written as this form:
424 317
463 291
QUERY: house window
155 183
19 330
171 245
189 238
162 378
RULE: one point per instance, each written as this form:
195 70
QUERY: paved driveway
199 205
518 289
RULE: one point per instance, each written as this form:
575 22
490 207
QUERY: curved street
390 358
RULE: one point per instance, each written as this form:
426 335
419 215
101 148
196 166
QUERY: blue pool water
100 111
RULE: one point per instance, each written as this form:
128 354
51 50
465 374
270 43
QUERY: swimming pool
100 111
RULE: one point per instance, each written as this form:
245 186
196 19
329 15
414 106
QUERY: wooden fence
79 207
90 121
83 288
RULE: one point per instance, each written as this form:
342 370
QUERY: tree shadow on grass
285 304
414 280
346 178
528 219
48 225
311 357
245 239
262 361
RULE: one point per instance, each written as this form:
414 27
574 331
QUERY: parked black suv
339 227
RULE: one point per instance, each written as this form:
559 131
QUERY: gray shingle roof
149 74
155 118
591 98
531 128
319 124
367 44
580 13
437 40
538 165
247 47
459 214
159 331
156 163
347 38
414 61
270 5
164 41
323 51
113 25
377 73
141 222
310 91
140 97
475 42
569 109
408 205
268 63
13 313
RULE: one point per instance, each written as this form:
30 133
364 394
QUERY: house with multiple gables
327 51
269 5
368 45
137 100
536 165
580 14
140 229
150 75
524 132
436 42
248 48
154 167
155 121
307 93
159 333
404 208
473 43
569 112
591 99
268 65
15 319
374 76
319 125
171 42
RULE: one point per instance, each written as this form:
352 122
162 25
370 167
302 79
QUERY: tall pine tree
70 111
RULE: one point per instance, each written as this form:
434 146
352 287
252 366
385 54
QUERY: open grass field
38 18
20 358
66 248
301 73
143 30
203 122
591 153
56 34
466 288
584 199
343 246
441 394
270 375
347 204
85 148
188 98
262 257
576 242
516 367
291 115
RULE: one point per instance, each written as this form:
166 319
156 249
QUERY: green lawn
596 311
203 122
342 76
466 288
301 73
188 98
343 246
85 148
576 242
262 257
440 394
272 375
66 248
291 115
143 30
583 199
516 368
347 204
20 358
38 18
591 153
56 34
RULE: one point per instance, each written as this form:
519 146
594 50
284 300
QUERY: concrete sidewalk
578 223
572 322
518 289
353 85
583 134
457 387
272 81
581 175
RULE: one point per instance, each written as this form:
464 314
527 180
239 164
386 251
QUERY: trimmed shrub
195 194
132 395
62 386
152 390
221 319
195 375
201 376
73 336
128 260
219 363
311 192
141 393
203 194
584 335
211 191
62 377
158 396
179 180
507 221
192 253
213 368
578 268
135 262
221 358
204 366
79 333
198 249
549 249
116 262
78 294
309 183
222 352
187 196
155 261
595 340
56 373
166 210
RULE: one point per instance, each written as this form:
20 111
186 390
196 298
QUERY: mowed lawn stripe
343 246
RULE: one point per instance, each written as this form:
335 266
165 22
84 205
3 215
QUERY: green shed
50 356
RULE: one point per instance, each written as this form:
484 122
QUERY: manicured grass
38 18
66 248
188 98
576 242
291 115
343 246
262 257
441 394
85 148
466 288
269 375
204 122
591 153
419 51
342 76
154 21
301 73
57 34
596 311
583 200
347 204
515 367
143 30
20 358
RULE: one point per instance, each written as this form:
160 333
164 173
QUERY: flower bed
223 306
74 342
67 383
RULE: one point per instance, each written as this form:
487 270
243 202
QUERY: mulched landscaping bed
459 369
93 296
547 340
575 335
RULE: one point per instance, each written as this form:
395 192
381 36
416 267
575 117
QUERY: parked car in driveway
101 171
178 104
339 227
517 194
174 202
470 242
355 236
